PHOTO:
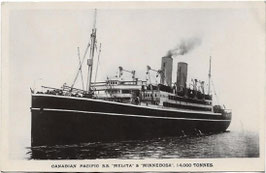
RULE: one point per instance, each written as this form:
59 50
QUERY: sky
43 51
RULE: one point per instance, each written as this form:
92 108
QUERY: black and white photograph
142 85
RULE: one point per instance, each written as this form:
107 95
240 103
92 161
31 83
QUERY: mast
92 48
81 73
210 70
80 66
100 49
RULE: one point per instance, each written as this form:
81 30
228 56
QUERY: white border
226 164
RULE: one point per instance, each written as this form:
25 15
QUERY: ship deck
142 105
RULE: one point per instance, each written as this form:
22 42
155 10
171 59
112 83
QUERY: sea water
230 144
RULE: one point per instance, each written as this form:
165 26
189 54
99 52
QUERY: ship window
125 91
114 91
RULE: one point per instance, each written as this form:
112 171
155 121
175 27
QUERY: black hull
68 120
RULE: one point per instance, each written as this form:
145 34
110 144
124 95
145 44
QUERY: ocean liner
118 109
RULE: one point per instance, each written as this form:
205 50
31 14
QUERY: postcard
133 86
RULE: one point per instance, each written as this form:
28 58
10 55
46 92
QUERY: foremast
92 49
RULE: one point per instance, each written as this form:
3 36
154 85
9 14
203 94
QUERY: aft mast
90 59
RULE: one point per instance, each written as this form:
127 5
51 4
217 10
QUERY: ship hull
60 120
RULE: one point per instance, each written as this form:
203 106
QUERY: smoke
184 47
